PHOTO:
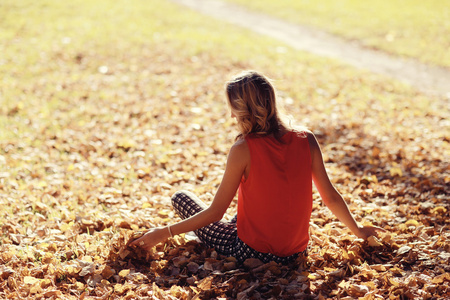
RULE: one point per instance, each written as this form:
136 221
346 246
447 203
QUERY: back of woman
275 201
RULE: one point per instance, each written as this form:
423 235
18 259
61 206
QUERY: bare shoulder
239 157
311 138
240 148
239 154
314 147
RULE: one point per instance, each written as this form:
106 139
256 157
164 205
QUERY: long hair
251 97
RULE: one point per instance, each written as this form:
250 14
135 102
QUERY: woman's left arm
236 164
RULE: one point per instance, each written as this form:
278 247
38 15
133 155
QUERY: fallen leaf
374 242
205 284
30 280
124 273
403 250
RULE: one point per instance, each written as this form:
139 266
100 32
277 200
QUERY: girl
273 167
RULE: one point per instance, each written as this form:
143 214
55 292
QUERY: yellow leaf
54 294
71 270
374 242
45 283
30 280
393 281
35 289
158 292
48 257
42 184
43 246
66 226
163 213
439 210
205 284
126 144
119 288
344 284
86 258
314 276
146 205
396 171
379 268
79 286
351 255
386 238
441 278
124 273
412 223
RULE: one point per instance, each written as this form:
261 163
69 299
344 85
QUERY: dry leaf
441 278
252 263
5 272
30 280
374 242
403 250
205 284
124 273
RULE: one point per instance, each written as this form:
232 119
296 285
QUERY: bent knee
179 195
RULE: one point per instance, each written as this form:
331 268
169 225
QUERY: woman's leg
243 252
219 235
222 235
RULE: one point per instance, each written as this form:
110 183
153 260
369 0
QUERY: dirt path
428 79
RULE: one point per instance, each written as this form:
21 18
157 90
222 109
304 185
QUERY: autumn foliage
95 139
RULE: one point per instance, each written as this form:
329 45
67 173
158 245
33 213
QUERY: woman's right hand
151 238
365 232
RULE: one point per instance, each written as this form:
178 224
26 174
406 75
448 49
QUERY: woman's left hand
151 238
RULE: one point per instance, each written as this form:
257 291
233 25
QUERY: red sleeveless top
275 201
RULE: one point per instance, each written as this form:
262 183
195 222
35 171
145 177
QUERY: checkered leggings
222 236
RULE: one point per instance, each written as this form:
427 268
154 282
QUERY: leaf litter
77 189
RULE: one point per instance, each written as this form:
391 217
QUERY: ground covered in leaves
109 108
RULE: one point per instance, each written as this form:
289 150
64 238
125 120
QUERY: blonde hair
251 97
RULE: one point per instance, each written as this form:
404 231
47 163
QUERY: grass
110 107
415 29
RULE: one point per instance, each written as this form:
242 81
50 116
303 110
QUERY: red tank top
275 201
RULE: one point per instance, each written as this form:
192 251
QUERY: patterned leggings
222 236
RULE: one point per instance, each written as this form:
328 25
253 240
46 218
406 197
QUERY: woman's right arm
237 161
331 197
